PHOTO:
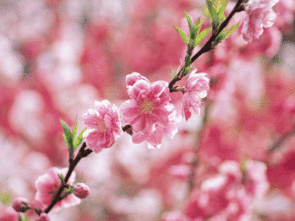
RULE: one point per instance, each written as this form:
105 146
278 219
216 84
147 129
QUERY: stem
81 154
209 45
280 141
195 160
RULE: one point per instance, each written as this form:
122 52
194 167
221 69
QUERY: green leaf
61 177
190 24
75 129
202 35
79 139
182 35
172 73
198 26
20 218
68 135
231 29
226 33
213 14
221 8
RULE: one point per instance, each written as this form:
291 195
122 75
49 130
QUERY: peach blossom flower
196 89
259 15
47 185
103 126
149 112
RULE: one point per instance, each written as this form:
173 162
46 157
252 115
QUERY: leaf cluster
195 37
70 136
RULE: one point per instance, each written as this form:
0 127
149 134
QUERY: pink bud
20 204
81 191
43 217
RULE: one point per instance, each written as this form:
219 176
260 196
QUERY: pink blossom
81 191
259 15
174 216
47 186
43 217
196 89
20 204
149 112
8 214
103 125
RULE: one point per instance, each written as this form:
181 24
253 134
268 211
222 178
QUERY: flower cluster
226 169
149 112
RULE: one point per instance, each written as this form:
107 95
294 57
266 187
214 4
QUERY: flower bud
20 205
81 191
43 217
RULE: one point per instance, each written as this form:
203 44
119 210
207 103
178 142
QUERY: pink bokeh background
59 56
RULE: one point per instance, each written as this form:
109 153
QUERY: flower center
147 106
101 126
200 95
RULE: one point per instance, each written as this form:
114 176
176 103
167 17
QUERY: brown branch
83 152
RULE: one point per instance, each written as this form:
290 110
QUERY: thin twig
280 141
83 152
195 160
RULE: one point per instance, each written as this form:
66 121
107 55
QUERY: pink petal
139 137
131 79
139 90
129 110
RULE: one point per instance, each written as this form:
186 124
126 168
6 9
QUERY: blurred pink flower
47 186
174 216
196 89
259 15
43 217
149 112
8 214
103 125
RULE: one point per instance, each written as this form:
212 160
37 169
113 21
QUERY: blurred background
58 56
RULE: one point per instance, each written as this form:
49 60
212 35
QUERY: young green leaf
68 136
75 129
221 8
61 177
213 14
226 33
198 26
231 29
172 73
79 139
182 35
69 191
190 24
202 35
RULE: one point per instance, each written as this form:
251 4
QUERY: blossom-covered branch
208 46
